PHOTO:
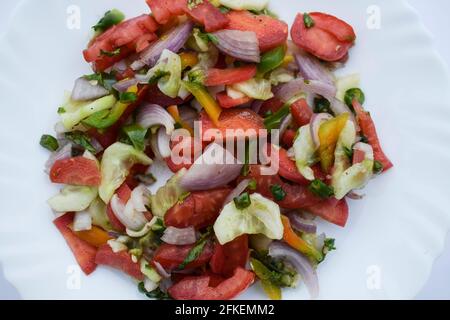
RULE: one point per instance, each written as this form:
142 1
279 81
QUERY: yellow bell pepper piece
264 274
95 236
205 99
329 133
287 60
173 110
188 59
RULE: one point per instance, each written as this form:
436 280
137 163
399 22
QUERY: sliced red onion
152 114
312 69
280 250
366 148
120 66
215 168
301 224
124 85
140 197
82 221
64 152
84 90
276 136
316 121
188 115
338 107
237 191
174 40
162 272
294 87
355 196
160 143
242 45
127 215
178 236
256 105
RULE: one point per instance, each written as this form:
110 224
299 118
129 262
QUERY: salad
262 138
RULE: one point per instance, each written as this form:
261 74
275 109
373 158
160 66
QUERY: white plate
393 235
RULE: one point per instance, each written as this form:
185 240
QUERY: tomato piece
271 32
358 156
288 169
104 62
131 180
226 258
340 29
370 132
124 34
245 120
301 112
198 210
320 40
203 12
331 210
226 102
288 138
198 288
154 95
120 260
84 252
175 167
217 77
124 194
171 256
271 105
79 171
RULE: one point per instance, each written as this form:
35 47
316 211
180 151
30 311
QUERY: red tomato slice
370 132
226 102
289 171
135 170
340 29
233 119
204 13
217 77
228 257
78 171
288 138
301 112
84 252
120 260
125 33
271 105
154 95
198 210
171 256
321 43
332 210
124 194
105 62
271 32
198 288
358 156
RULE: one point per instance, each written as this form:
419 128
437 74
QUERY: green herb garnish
377 167
322 105
321 189
137 135
328 245
81 139
243 201
155 294
111 17
308 20
197 250
252 185
49 142
127 97
352 94
113 53
277 191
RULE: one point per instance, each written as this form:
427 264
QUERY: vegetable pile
161 82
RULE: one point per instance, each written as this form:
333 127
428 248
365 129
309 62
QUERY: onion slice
124 85
237 191
312 69
280 250
127 215
85 90
242 45
294 87
316 121
62 153
82 221
178 236
215 168
152 115
301 224
174 40
162 272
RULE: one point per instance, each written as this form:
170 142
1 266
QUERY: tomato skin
332 210
119 260
370 132
339 28
84 252
217 77
198 210
198 288
79 171
124 194
226 258
135 170
288 169
271 32
171 256
233 119
322 43
104 62
271 105
227 102
154 95
301 112
288 138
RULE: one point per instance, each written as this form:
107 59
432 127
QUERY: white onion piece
82 221
312 69
366 148
316 121
84 90
280 250
152 114
163 141
242 45
179 236
237 191
215 168
162 272
127 215
117 246
338 108
294 87
124 85
62 153
148 226
149 285
140 197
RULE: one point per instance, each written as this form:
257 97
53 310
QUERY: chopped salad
171 86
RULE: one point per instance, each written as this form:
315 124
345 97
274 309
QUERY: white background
435 17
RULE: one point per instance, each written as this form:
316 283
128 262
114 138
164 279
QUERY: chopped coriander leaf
348 153
127 97
104 79
280 274
377 167
197 250
328 245
252 185
157 294
243 201
321 189
137 135
322 105
278 193
274 120
197 77
352 94
113 53
81 139
308 20
111 17
49 142
61 110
